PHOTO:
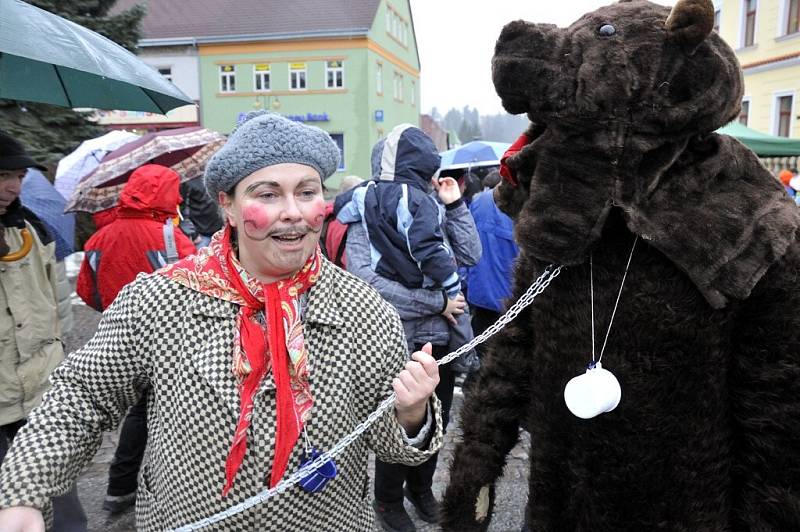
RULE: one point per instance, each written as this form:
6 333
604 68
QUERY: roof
238 20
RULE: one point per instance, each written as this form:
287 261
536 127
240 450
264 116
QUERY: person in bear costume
621 171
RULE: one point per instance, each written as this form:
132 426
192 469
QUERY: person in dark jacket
403 165
142 238
404 222
201 210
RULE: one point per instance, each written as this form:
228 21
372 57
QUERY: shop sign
308 117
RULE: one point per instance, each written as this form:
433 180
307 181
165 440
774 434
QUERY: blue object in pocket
316 480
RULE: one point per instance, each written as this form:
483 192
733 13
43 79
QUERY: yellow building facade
766 37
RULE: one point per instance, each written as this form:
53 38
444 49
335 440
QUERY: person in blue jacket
489 281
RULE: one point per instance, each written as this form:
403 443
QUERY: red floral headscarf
275 342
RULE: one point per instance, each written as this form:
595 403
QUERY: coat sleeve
764 380
91 390
48 252
410 303
462 234
386 435
426 243
63 293
86 285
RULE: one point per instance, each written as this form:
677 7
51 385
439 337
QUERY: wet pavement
511 495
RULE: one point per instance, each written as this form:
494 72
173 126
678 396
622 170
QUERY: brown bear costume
706 338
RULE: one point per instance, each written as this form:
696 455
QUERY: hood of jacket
407 155
152 191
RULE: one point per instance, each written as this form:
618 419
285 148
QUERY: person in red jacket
142 238
135 241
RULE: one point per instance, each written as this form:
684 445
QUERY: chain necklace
616 304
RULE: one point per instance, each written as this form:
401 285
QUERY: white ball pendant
595 392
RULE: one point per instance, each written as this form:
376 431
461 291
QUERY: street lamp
271 102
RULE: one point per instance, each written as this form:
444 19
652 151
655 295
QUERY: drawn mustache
293 232
283 232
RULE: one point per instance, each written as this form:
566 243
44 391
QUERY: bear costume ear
690 22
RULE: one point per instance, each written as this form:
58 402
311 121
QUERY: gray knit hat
264 139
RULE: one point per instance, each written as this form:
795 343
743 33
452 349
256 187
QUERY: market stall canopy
48 59
762 144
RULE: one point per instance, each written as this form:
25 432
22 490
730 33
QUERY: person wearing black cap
30 328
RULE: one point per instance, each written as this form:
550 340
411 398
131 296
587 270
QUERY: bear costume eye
607 30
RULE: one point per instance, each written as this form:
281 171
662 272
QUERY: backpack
336 254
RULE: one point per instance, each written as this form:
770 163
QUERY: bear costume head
623 105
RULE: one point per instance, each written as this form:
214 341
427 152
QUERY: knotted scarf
274 341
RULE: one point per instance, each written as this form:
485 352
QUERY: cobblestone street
511 496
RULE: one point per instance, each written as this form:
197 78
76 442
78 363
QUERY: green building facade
355 83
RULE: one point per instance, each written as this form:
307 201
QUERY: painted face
278 213
10 186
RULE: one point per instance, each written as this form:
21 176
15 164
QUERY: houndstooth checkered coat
161 334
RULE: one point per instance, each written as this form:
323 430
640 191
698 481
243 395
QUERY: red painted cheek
316 214
257 216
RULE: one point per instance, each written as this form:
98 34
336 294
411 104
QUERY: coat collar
212 354
324 298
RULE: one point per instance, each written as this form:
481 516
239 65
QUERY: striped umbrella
185 150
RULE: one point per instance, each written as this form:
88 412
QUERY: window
166 73
338 138
784 116
793 18
227 78
261 77
413 95
398 87
379 78
297 76
750 22
717 19
396 26
744 114
334 74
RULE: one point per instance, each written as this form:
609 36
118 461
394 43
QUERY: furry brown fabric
707 435
625 120
706 340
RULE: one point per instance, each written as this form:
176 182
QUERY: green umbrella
762 144
45 58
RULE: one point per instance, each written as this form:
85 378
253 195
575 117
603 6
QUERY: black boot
393 517
426 505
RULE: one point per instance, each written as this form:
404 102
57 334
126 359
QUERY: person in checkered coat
257 350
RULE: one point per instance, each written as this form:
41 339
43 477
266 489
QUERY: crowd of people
283 319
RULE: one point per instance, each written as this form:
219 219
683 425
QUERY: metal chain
527 298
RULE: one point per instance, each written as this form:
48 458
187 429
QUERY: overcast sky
456 40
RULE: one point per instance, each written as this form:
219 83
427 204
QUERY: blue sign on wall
379 115
309 117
